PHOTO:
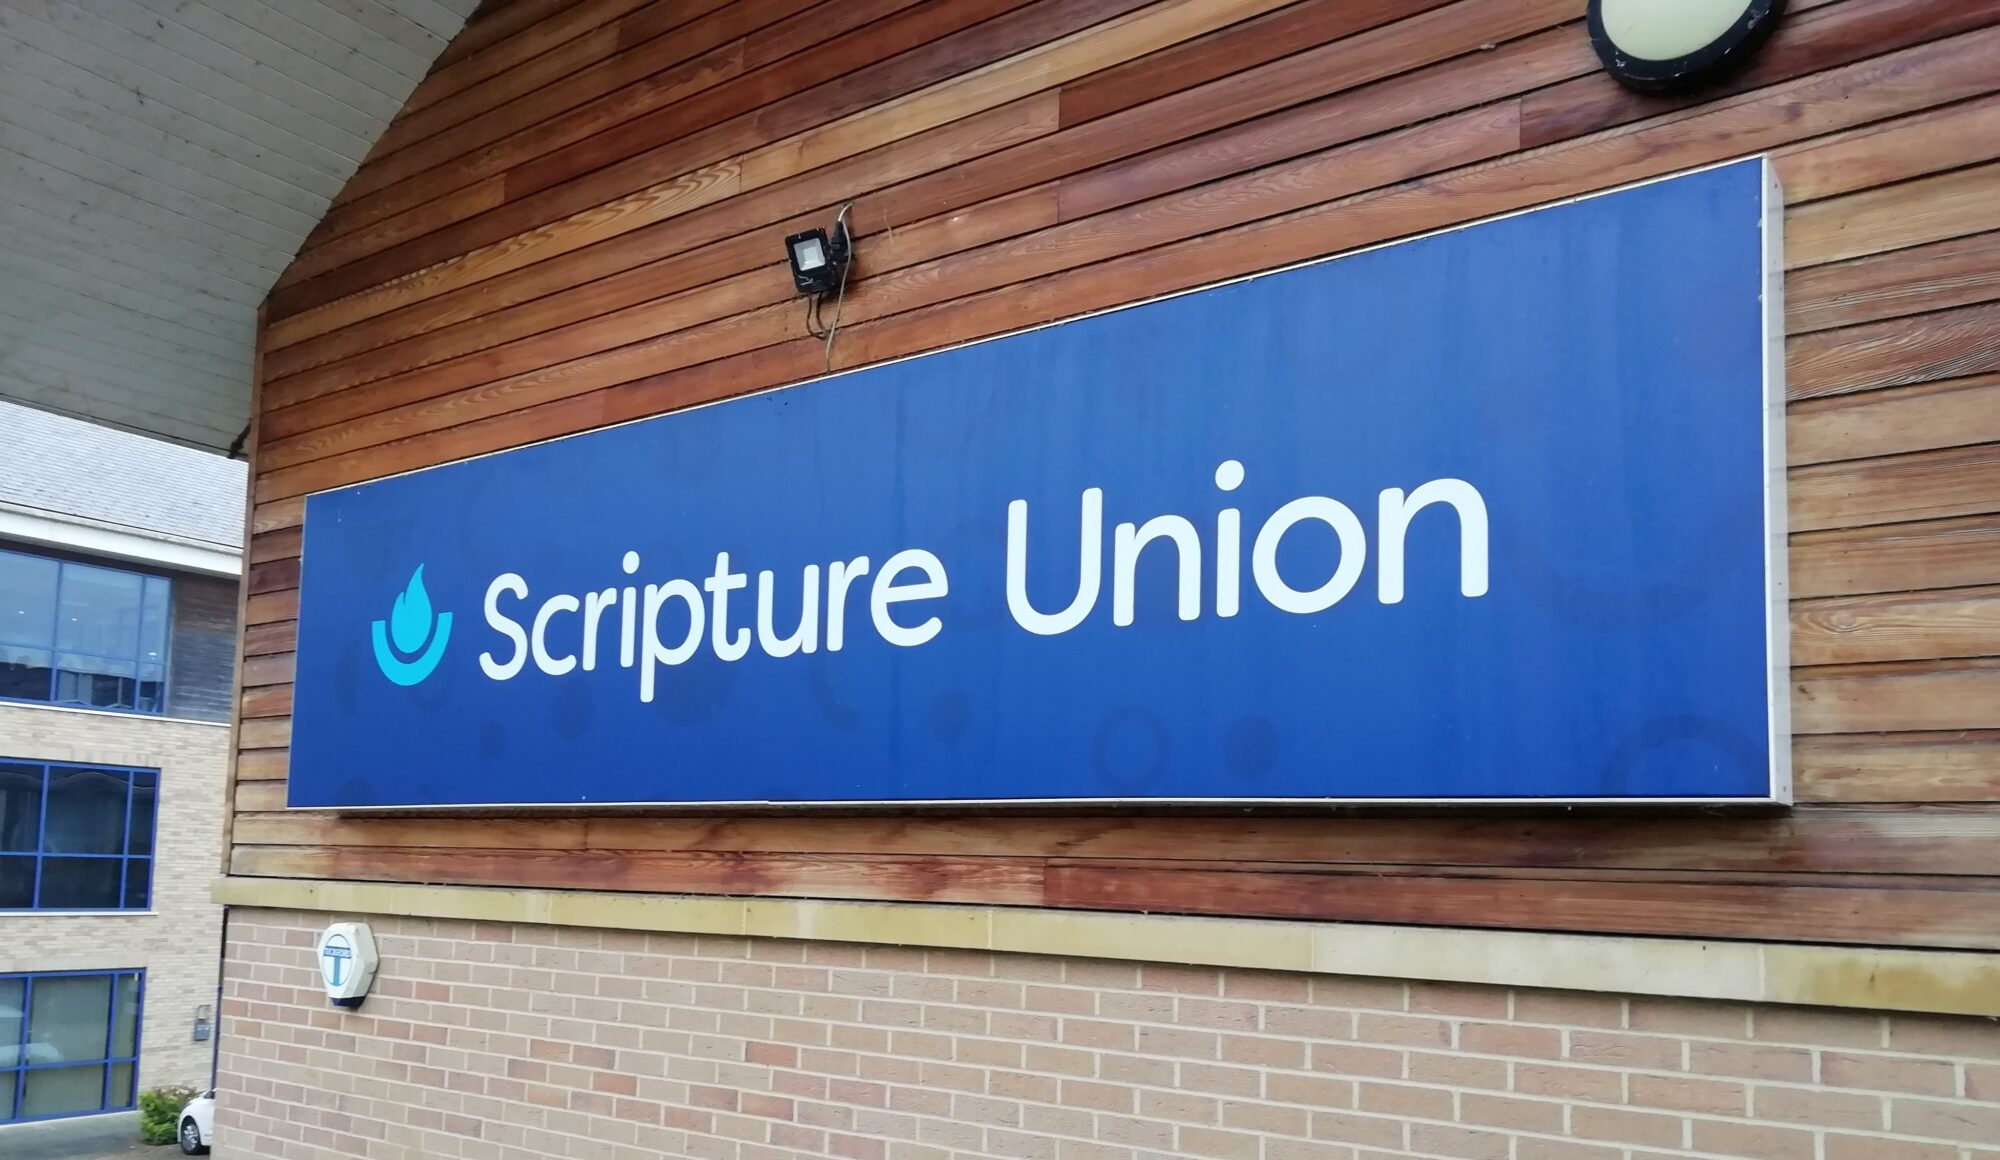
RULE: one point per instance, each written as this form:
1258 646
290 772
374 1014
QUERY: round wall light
1661 46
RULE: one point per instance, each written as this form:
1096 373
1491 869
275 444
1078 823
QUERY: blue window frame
69 1043
80 634
76 837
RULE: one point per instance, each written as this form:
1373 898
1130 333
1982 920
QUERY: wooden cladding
578 220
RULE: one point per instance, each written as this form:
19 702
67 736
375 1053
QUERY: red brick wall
506 1042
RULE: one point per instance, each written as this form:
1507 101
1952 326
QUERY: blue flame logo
410 623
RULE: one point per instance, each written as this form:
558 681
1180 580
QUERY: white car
198 1123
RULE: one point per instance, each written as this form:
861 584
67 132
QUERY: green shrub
160 1112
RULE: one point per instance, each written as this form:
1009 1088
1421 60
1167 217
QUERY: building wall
179 940
202 681
509 1041
579 220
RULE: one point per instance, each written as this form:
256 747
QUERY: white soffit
161 161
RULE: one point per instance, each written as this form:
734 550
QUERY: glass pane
68 1016
27 600
80 883
145 792
99 611
121 1094
158 615
96 682
125 1029
138 883
152 689
62 1091
13 992
86 813
20 807
25 673
17 887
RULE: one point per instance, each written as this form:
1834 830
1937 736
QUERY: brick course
511 1041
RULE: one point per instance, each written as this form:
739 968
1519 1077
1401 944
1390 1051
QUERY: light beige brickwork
509 1041
178 942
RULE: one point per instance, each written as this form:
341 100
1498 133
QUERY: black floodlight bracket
819 258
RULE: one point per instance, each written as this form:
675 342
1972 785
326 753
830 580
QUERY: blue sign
1494 514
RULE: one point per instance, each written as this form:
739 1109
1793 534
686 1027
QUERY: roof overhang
160 164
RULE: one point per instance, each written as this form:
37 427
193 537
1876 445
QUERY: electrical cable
840 296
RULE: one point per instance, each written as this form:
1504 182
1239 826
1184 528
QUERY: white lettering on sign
666 623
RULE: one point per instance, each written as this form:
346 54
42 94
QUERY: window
76 837
77 634
69 1043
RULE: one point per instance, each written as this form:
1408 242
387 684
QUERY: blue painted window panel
69 1043
76 837
79 634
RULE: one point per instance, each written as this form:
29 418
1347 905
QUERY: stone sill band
1939 982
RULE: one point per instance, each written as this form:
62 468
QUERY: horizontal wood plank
269 607
1813 841
1959 766
268 669
1920 486
275 545
277 516
1923 348
266 701
272 575
1925 696
1949 622
1910 213
1889 151
263 765
1902 557
1915 280
265 733
1714 908
1955 413
279 636
996 881
257 796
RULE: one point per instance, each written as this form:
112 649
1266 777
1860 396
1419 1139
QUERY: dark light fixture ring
1690 69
